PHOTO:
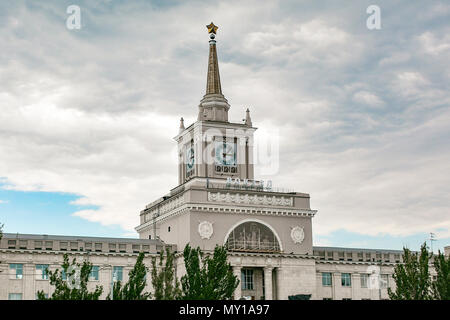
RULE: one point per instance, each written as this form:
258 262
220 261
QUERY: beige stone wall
31 282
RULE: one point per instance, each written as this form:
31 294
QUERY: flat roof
356 249
79 238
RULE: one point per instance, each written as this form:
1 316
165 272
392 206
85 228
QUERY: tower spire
213 80
213 106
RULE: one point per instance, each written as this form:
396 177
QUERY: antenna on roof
432 238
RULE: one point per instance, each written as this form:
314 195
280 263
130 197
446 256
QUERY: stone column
278 274
268 283
238 291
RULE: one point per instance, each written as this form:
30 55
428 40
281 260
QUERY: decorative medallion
297 234
205 229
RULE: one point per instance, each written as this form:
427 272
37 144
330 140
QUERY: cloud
362 115
3 201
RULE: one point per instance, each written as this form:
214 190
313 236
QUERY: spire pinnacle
181 125
213 82
248 120
213 106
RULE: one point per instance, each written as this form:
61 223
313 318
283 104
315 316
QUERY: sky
88 116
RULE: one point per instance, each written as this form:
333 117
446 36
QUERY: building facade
218 201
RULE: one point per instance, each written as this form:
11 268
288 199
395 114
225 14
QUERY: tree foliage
74 287
207 278
412 277
441 286
134 288
164 280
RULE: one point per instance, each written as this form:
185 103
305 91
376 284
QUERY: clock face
189 158
225 153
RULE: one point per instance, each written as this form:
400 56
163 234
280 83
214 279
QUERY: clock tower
213 147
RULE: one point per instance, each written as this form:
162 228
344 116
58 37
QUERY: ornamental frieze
244 198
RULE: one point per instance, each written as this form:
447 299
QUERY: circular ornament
205 229
297 234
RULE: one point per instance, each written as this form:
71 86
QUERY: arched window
252 237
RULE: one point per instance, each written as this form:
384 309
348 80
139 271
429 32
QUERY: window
346 280
48 245
117 273
364 280
15 296
74 246
94 273
98 247
11 244
341 256
88 246
63 275
384 281
146 248
349 256
38 245
63 245
386 257
17 270
23 244
247 279
122 247
326 279
135 248
41 271
112 247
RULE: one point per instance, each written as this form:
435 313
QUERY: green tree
1 230
134 288
412 277
207 277
164 279
441 286
71 282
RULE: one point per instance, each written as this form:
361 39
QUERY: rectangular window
15 296
11 244
326 279
41 271
63 275
74 246
247 279
17 270
364 280
23 244
117 273
98 247
122 247
63 245
346 280
94 273
136 248
384 281
112 247
38 245
48 245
